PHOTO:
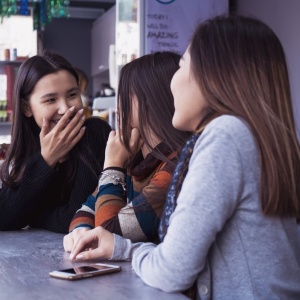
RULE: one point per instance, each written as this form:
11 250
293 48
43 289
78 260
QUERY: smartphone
85 271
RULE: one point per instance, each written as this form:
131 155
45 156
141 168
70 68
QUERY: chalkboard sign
169 24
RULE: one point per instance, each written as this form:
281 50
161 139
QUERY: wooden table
28 255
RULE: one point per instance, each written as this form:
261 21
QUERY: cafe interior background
99 36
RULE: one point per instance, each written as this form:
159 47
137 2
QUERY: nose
63 106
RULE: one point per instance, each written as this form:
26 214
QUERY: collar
142 167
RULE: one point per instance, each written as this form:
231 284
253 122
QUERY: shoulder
96 134
96 123
229 128
229 124
229 135
97 128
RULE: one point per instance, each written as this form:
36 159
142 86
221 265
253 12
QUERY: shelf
11 62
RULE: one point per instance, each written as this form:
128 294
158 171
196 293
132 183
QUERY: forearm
82 218
58 218
138 220
17 204
110 197
85 216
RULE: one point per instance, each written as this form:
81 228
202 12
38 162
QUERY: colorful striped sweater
134 213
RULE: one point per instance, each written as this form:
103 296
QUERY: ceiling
89 9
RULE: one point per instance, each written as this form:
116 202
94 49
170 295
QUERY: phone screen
85 269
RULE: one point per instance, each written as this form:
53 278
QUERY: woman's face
188 100
52 96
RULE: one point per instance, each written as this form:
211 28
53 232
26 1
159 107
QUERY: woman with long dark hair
55 156
140 156
229 224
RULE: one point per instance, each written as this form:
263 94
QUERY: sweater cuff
123 248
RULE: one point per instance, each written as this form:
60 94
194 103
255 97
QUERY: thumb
45 128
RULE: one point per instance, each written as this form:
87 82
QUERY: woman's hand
116 155
72 238
57 142
98 241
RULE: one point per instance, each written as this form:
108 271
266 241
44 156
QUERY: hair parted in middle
239 64
148 78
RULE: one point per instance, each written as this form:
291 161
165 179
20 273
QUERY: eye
50 100
73 95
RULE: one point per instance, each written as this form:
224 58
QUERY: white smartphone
85 271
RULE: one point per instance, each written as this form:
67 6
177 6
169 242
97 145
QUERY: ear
26 109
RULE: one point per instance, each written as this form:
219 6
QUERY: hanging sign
169 24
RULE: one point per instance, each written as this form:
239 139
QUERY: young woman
55 156
129 203
232 229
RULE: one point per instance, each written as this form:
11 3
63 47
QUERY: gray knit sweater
218 235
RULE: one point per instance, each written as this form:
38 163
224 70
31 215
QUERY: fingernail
80 111
83 118
72 108
71 256
79 256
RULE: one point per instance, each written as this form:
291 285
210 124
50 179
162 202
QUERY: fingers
99 241
66 118
45 128
77 137
74 125
70 123
83 243
111 136
68 242
72 238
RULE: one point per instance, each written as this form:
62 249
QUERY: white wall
284 18
102 35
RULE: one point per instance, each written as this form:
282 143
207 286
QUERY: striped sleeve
138 220
85 216
110 198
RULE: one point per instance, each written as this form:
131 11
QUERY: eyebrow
48 95
74 89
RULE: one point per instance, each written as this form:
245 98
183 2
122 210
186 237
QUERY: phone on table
85 271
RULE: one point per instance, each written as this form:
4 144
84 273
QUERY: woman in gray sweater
229 227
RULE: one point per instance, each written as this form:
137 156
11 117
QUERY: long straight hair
149 78
240 66
25 132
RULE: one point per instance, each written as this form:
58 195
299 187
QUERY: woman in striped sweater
140 157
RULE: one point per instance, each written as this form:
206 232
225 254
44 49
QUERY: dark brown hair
149 78
240 66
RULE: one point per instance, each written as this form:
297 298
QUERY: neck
154 141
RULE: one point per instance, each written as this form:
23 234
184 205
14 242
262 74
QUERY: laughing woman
229 224
50 167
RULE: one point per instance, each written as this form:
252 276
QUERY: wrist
50 162
113 176
113 163
115 168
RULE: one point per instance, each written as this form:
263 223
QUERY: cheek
77 103
173 84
